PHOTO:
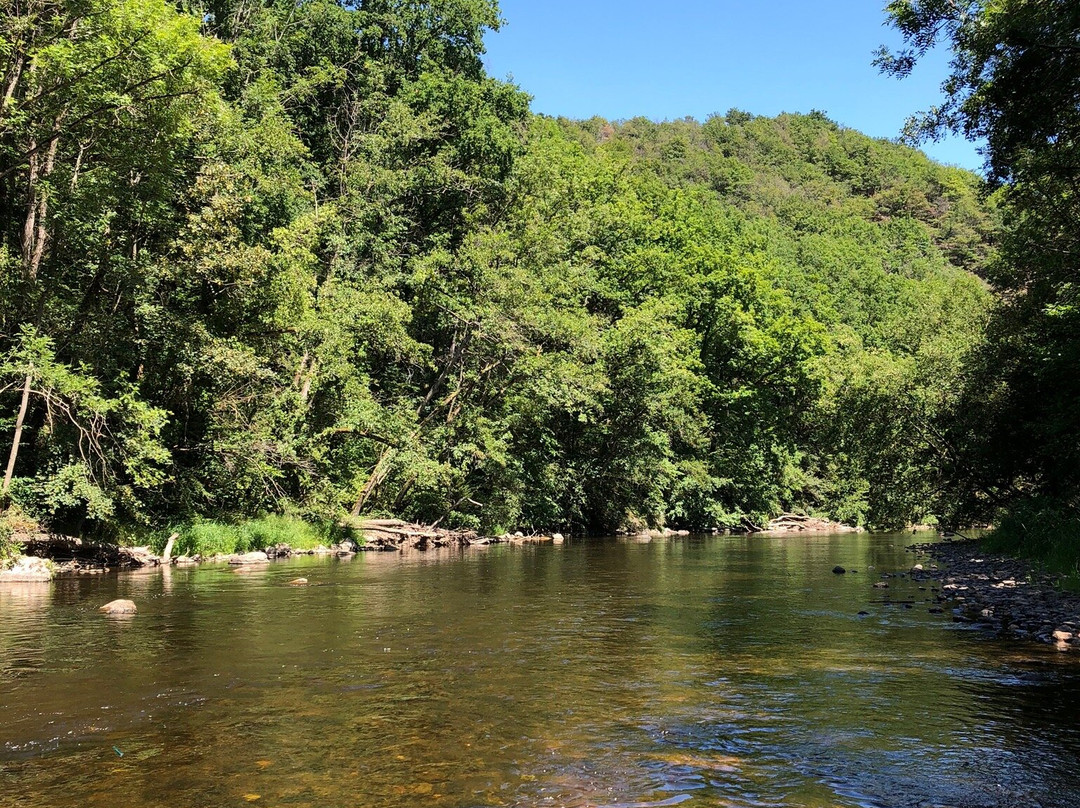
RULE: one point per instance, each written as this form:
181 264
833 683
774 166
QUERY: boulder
29 568
839 570
119 607
139 557
254 557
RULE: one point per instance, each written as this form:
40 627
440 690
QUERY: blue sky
581 58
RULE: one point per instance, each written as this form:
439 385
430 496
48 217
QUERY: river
720 671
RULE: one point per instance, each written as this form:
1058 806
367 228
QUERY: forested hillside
308 258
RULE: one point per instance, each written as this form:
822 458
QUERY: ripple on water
724 671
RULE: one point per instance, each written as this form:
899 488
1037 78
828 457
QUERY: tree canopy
1014 81
308 257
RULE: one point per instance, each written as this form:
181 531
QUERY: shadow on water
717 671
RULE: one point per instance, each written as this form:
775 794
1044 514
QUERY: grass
210 537
1043 531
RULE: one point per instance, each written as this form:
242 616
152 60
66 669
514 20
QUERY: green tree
1013 82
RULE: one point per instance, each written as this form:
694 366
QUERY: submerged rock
119 607
839 570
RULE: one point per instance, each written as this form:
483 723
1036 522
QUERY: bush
9 548
13 521
1043 530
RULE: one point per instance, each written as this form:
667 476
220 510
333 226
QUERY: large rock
119 607
139 557
254 557
29 568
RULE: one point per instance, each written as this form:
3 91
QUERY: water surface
727 671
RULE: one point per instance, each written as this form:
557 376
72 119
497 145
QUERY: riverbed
718 671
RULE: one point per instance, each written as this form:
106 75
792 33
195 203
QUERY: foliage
9 547
1014 432
1039 529
307 257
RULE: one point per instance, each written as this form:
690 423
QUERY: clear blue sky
622 58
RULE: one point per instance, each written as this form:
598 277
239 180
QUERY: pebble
1006 595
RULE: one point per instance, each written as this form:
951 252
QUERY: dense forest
268 256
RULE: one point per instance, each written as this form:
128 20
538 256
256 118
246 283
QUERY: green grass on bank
209 537
1043 531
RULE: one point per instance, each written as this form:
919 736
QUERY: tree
1015 81
90 450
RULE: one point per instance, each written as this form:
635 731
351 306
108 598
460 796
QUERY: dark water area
726 671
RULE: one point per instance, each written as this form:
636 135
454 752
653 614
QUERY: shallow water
727 671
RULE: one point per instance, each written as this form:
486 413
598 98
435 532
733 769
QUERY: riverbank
1007 596
69 555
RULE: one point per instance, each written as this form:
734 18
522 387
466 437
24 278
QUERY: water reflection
722 671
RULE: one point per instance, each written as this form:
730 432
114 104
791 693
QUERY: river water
724 671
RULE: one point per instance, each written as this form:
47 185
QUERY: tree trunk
30 223
18 433
12 82
305 391
40 234
377 476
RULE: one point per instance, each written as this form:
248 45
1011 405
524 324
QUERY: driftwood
166 555
394 534
70 549
800 523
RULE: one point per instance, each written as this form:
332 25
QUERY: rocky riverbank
47 555
1007 596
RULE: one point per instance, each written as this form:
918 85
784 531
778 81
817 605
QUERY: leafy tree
1013 82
